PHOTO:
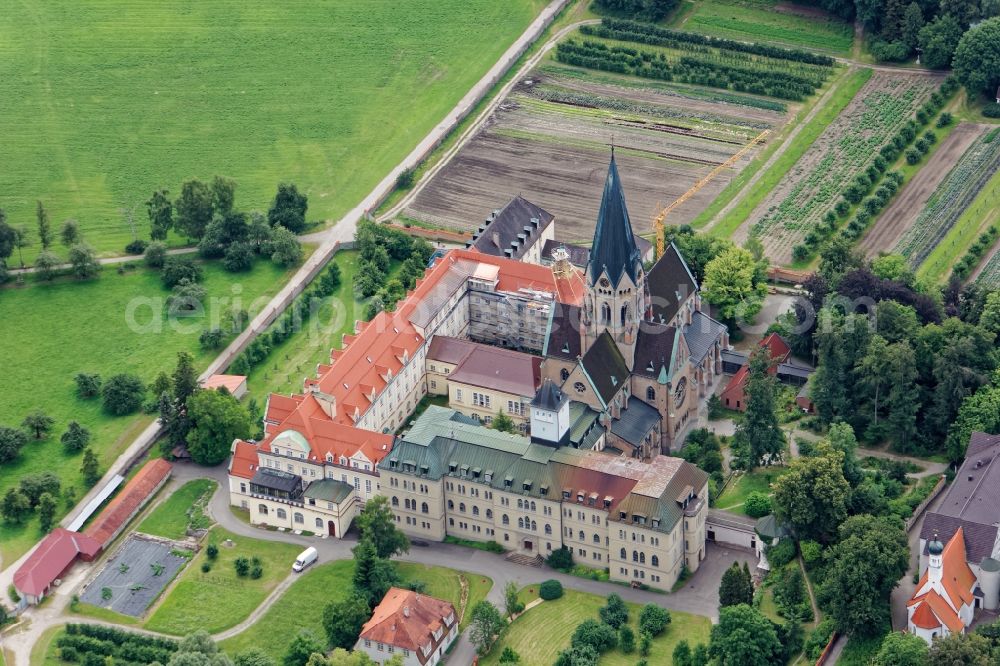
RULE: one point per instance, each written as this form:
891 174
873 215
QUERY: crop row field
989 275
549 141
915 195
950 200
774 21
105 101
845 149
651 52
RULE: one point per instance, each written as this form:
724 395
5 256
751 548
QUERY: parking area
134 576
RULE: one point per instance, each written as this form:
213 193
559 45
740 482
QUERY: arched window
656 561
624 314
489 513
451 505
299 518
564 373
650 394
635 556
605 313
583 537
423 508
624 554
281 514
406 503
520 523
262 509
319 522
520 503
505 520
548 529
533 506
597 539
642 558
461 507
475 510
534 526
395 501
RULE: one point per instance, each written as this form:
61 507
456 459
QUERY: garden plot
134 577
989 274
549 141
843 150
950 199
907 206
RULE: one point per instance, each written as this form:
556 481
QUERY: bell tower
617 298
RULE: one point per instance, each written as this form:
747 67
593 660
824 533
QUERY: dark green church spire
614 249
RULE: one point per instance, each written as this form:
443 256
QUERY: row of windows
641 538
638 574
281 514
639 557
380 647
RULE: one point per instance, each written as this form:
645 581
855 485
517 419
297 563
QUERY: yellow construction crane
658 220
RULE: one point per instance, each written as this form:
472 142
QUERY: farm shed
116 515
50 561
235 384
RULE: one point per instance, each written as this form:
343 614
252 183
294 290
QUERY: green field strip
844 89
983 212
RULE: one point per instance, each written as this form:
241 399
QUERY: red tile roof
132 497
335 438
778 351
51 558
244 461
925 618
406 619
940 610
499 369
232 383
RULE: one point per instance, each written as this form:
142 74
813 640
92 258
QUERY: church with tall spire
639 349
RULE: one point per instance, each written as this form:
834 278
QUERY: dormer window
566 493
622 515
579 497
452 466
464 470
544 490
393 463
527 486
476 472
425 470
489 476
508 482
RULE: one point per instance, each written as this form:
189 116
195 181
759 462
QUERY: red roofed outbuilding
50 561
415 626
734 395
126 504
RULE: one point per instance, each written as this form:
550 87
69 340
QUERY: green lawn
217 600
757 481
760 21
43 652
170 519
846 88
107 102
301 606
53 331
542 632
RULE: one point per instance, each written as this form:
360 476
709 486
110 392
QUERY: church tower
616 298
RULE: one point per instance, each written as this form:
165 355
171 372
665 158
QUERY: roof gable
670 284
510 231
605 366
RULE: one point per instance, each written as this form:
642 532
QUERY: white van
308 556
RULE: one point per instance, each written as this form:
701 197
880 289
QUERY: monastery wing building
600 358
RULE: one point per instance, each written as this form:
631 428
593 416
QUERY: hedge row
865 181
645 33
644 64
302 309
975 253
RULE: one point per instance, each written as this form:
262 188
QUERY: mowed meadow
103 101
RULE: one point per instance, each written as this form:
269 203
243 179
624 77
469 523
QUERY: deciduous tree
122 394
902 649
70 233
377 525
288 208
977 58
194 209
285 248
614 613
485 626
76 438
38 423
15 507
44 227
90 468
869 559
342 620
503 423
732 283
217 418
83 261
45 265
304 645
744 637
161 214
223 195
812 497
12 440
512 605
964 649
46 511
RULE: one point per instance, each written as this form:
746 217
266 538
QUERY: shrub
550 589
812 552
156 254
653 620
256 571
614 613
991 110
757 505
560 559
178 268
242 566
212 551
780 553
87 385
138 246
206 567
944 120
405 179
626 640
913 156
599 636
239 257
